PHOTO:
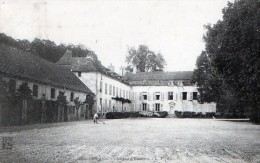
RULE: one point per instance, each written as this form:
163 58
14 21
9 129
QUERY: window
101 86
144 97
79 74
52 92
114 90
105 102
144 106
120 92
12 86
61 93
109 105
123 93
195 95
105 88
126 94
110 89
157 97
184 95
157 107
35 90
71 96
170 95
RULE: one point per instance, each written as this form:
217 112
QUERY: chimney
111 67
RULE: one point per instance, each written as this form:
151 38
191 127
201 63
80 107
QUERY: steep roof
24 65
159 78
159 75
86 64
66 59
83 65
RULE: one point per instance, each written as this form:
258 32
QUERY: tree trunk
24 111
77 110
255 113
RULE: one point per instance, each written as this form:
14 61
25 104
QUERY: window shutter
153 96
140 96
175 96
162 96
153 107
140 107
191 96
181 96
161 107
148 107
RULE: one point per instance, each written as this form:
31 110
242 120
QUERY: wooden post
43 116
24 111
62 114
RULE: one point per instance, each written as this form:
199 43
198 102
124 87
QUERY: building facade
105 84
47 82
147 91
166 91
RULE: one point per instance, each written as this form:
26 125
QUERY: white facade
48 92
105 88
44 91
144 98
168 98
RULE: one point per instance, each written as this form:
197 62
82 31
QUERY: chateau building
146 91
166 91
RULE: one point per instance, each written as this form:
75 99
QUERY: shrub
178 114
210 114
162 114
118 115
187 114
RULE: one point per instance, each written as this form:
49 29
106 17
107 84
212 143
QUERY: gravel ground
135 140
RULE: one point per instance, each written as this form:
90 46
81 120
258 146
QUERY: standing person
95 118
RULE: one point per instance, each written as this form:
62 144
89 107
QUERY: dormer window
79 74
157 82
144 82
170 83
180 84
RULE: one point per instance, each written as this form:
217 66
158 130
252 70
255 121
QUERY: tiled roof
85 64
66 59
27 66
159 78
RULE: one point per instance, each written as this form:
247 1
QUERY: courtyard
134 140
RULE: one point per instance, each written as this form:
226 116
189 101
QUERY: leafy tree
144 60
77 103
209 83
24 91
232 47
47 49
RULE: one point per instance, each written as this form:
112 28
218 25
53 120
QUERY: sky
172 27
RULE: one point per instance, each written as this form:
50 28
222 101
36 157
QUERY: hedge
119 115
187 114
